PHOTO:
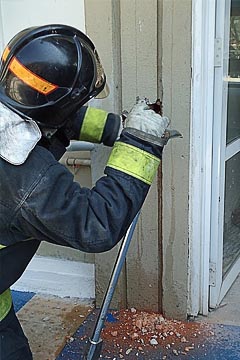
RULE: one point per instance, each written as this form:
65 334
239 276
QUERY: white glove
143 119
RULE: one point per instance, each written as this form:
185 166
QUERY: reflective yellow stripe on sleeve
93 125
5 303
5 300
134 161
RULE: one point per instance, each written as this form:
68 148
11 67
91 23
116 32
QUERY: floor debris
126 335
139 330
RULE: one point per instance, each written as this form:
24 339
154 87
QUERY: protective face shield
47 73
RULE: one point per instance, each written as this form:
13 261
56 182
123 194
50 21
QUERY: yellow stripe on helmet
93 125
28 77
5 53
134 161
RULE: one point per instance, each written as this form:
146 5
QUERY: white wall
16 15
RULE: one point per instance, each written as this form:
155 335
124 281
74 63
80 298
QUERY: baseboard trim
63 278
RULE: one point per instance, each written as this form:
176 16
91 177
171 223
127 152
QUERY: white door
225 204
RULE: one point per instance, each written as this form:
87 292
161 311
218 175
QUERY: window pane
233 122
231 237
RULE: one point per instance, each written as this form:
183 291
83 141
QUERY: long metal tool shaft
95 343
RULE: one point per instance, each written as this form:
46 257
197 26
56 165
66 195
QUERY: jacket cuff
134 157
96 126
141 144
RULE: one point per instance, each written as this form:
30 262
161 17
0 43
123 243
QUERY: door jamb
203 34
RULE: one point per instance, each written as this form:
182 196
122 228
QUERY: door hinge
218 48
212 274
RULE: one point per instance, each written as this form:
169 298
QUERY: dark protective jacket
39 201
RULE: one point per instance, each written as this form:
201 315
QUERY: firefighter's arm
94 220
87 124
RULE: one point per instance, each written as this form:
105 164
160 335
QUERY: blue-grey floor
225 344
20 298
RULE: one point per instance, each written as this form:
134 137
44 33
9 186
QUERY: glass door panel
231 236
233 111
225 224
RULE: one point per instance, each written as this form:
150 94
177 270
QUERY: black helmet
49 72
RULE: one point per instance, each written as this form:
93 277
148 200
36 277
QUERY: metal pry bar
94 345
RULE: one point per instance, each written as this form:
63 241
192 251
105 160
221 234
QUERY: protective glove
146 124
141 159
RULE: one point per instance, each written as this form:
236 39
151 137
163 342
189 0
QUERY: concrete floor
228 313
49 322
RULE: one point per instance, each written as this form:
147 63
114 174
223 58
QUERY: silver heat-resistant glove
146 124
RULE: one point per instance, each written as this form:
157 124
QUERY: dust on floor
50 322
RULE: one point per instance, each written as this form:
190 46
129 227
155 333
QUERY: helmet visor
104 93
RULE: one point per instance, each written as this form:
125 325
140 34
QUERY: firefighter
47 76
